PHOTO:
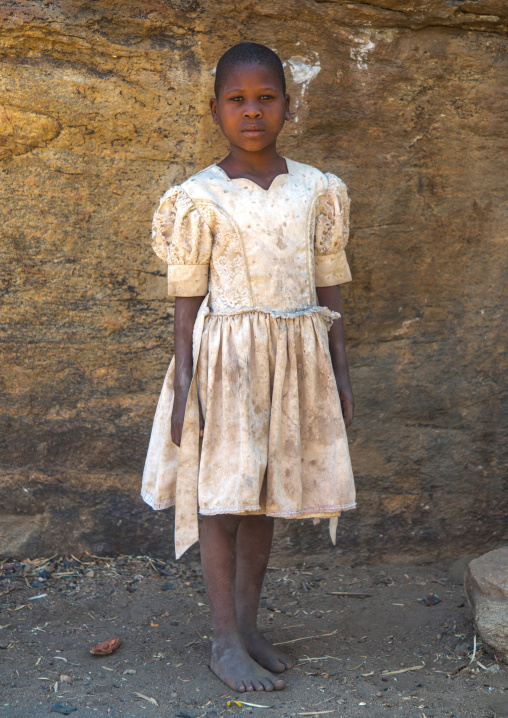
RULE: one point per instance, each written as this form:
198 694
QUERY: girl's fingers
176 432
347 410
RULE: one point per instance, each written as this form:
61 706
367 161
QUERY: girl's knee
223 522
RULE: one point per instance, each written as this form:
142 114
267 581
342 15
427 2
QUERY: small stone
168 587
486 584
63 710
431 599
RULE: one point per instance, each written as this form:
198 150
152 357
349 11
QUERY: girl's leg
230 660
253 544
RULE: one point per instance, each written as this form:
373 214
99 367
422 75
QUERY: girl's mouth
253 131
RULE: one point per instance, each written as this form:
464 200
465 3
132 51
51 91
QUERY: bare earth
378 652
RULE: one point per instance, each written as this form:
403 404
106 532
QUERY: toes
280 666
258 686
249 687
279 685
240 687
267 685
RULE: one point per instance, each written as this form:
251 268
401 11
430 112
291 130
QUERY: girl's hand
178 414
186 309
347 401
330 297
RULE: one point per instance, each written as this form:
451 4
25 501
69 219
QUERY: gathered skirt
274 437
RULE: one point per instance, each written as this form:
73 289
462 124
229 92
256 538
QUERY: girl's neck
265 164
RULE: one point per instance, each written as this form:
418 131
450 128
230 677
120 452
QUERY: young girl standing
251 419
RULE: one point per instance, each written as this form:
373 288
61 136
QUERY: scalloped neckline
246 179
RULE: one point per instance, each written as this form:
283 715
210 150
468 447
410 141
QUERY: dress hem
157 505
317 512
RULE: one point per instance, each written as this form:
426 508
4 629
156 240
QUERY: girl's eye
267 97
238 97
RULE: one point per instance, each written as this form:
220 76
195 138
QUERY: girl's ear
288 111
213 109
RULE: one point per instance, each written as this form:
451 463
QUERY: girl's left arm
330 297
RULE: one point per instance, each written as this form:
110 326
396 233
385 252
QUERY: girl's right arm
186 309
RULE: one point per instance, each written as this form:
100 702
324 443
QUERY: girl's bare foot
264 653
233 665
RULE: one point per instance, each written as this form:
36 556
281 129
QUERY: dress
274 438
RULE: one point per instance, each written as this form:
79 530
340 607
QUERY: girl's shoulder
205 184
321 181
203 176
193 186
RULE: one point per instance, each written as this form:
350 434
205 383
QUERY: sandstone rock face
104 105
486 583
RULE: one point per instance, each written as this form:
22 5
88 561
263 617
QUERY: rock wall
103 105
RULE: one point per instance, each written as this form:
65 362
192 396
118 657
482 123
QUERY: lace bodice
251 247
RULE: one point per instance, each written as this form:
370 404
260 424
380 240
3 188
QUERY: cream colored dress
274 439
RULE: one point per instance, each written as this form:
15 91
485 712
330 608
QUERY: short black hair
248 53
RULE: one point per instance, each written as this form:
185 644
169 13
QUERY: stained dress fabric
274 438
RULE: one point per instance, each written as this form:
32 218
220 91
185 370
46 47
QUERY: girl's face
251 107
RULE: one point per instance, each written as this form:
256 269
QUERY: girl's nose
252 111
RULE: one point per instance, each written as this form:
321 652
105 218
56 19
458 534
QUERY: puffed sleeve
182 238
332 234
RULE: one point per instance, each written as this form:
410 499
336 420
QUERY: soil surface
366 641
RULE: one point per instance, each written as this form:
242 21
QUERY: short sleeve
182 239
332 234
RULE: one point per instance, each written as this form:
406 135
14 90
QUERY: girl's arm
330 297
186 309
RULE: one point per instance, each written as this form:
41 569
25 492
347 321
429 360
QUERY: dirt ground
377 651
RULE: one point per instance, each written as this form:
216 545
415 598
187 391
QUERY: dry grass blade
460 668
317 713
473 657
403 670
240 703
305 638
355 668
147 698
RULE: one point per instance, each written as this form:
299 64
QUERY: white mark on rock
404 328
302 72
359 53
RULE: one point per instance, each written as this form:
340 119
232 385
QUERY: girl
251 419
